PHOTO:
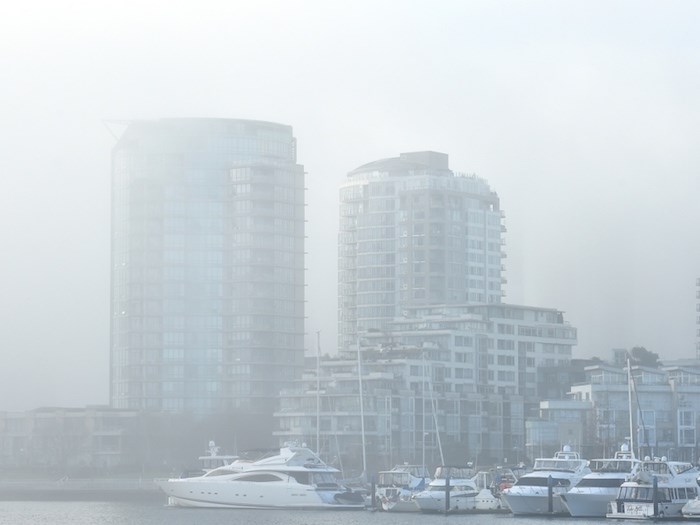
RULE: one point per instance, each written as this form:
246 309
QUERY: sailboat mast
433 409
362 409
318 392
422 411
629 401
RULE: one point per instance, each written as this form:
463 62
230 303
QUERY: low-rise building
93 437
662 405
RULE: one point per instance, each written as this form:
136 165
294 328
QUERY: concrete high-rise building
412 233
697 319
207 266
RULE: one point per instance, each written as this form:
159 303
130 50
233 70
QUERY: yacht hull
532 504
691 510
632 510
435 502
404 505
182 493
588 505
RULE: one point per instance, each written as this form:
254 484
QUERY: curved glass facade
207 265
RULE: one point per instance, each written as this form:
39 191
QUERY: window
258 478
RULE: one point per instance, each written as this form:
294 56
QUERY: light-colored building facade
94 437
413 410
665 408
494 348
413 232
561 422
697 318
467 370
420 256
207 265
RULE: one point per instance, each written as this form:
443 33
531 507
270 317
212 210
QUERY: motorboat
295 478
691 510
395 488
488 499
458 482
590 496
659 490
537 492
505 477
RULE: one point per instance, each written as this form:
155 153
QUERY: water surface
156 513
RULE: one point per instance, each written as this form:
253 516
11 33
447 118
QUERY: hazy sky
582 115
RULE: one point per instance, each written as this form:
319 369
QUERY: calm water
155 513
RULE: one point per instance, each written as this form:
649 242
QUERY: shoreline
80 490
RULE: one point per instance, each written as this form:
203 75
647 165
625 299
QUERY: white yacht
590 496
691 510
296 478
462 491
659 490
396 487
531 493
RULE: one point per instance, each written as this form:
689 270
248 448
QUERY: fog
582 115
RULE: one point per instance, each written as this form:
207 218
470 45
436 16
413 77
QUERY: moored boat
537 492
592 494
296 478
396 488
691 510
488 499
659 490
457 482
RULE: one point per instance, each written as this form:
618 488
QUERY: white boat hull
435 502
400 505
691 510
487 502
396 499
633 510
534 502
588 504
182 493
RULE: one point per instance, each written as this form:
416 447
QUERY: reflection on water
156 513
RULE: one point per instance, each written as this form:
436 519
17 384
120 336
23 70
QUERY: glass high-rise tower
414 233
207 265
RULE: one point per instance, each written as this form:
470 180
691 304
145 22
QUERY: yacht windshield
541 482
454 472
223 471
679 468
643 494
661 467
611 465
600 482
557 464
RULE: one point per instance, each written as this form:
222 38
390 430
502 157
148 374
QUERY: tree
643 357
